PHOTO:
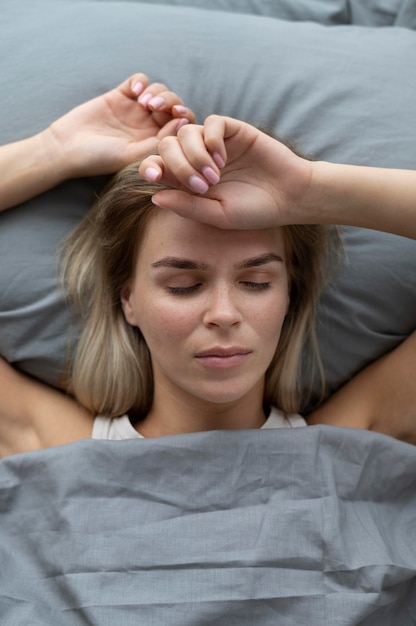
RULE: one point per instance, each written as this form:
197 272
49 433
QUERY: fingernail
180 110
181 123
151 174
137 88
155 201
145 99
218 160
157 102
198 185
211 176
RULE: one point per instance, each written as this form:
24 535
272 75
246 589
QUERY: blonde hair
111 371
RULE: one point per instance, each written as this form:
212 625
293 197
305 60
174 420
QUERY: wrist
30 167
317 203
334 195
54 157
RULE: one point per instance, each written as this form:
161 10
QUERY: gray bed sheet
313 526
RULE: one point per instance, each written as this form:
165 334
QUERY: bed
315 526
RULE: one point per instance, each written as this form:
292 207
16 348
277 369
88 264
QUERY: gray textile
311 526
336 76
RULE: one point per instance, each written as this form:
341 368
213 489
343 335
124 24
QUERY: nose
223 308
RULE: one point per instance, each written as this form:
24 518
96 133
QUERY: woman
220 313
187 327
286 189
182 320
185 290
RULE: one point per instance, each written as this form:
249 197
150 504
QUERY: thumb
193 207
140 149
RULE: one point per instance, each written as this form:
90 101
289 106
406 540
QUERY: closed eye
255 286
249 284
184 290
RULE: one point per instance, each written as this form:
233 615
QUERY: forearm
284 187
96 138
378 198
29 167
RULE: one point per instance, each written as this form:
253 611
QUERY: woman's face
210 304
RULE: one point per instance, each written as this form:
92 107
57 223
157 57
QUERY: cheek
164 323
276 306
270 318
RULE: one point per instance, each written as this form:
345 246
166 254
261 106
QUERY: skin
207 290
222 169
380 398
98 137
225 305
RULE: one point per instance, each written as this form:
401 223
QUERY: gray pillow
343 93
329 12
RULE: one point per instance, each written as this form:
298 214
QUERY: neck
173 415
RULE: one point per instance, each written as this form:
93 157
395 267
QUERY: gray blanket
313 526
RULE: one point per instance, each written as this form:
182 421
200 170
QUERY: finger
182 111
154 91
151 168
169 102
162 119
133 86
227 138
162 101
214 137
139 149
176 161
171 127
192 140
158 100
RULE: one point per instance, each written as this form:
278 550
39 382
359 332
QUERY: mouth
223 358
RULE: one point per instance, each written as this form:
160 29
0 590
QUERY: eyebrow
187 264
263 259
181 264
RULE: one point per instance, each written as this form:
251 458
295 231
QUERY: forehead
170 234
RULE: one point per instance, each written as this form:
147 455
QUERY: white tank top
119 428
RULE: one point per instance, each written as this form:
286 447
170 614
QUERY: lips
223 358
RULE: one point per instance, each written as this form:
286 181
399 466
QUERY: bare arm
98 137
34 416
382 397
369 197
229 174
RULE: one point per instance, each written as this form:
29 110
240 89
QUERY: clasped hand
229 174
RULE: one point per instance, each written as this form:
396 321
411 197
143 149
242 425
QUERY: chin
218 397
